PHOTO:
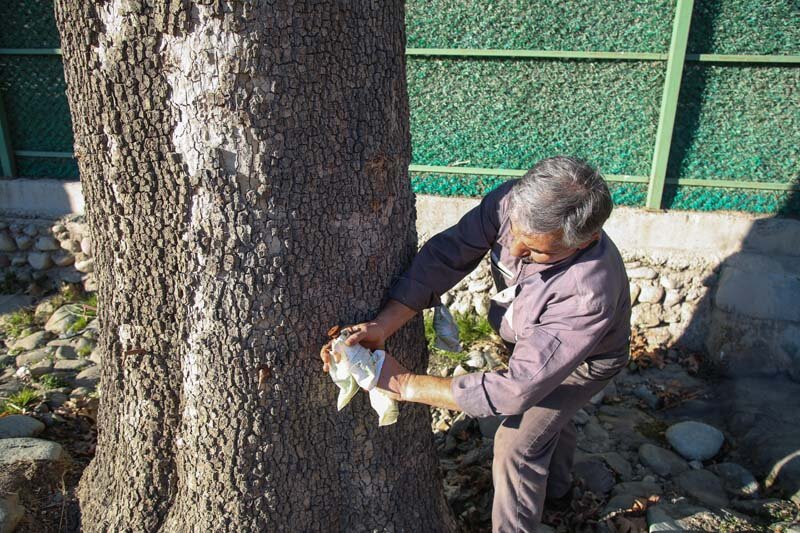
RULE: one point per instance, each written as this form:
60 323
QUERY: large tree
245 170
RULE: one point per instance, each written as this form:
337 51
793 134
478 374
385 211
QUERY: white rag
359 367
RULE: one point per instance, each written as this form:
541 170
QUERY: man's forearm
393 316
430 390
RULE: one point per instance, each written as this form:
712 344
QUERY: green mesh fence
631 194
737 122
35 98
624 25
28 24
745 27
510 114
33 90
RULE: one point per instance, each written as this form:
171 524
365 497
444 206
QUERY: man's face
543 248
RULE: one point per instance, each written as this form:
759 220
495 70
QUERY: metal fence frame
675 58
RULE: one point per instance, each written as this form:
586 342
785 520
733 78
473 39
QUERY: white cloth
359 367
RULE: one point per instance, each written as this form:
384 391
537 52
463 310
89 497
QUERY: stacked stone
47 252
670 297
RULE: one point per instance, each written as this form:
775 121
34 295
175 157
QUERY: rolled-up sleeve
452 254
541 360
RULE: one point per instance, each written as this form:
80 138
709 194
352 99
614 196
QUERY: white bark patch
113 16
201 68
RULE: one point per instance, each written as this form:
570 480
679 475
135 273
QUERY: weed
79 324
84 351
51 381
20 402
18 322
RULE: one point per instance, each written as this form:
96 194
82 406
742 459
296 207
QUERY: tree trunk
245 171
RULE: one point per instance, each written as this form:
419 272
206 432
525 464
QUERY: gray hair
561 193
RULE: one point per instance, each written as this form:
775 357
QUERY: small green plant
79 324
472 328
84 351
20 402
18 322
50 381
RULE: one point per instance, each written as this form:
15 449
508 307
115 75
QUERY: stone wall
671 298
46 252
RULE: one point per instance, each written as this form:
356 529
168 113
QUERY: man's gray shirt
570 316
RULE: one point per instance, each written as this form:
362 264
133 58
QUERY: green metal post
7 164
669 102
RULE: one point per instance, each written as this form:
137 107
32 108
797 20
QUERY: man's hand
325 354
370 335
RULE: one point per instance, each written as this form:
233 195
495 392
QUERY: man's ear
595 236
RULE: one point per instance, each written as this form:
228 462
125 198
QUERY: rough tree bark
245 171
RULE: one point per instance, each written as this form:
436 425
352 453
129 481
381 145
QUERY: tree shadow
752 339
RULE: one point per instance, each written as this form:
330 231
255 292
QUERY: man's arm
399 383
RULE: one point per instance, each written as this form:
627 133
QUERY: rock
662 462
88 378
23 242
618 503
624 423
63 318
70 276
39 260
7 244
695 440
13 426
476 359
480 303
642 273
71 364
670 282
45 366
596 438
11 512
45 243
766 508
479 285
33 357
86 246
4 261
672 298
634 291
85 266
71 246
66 352
618 464
55 398
30 230
643 393
459 371
79 392
595 475
25 450
736 479
646 315
677 517
58 228
31 342
703 486
62 258
641 489
651 294
696 465
581 417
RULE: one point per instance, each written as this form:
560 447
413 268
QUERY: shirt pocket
533 353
